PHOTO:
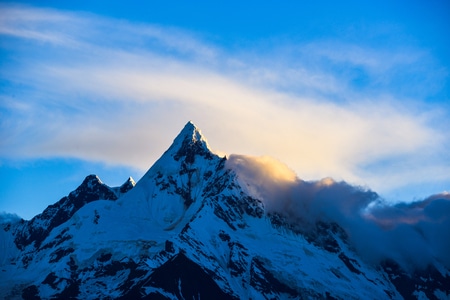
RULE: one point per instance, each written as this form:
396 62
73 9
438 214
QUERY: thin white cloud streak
119 92
89 33
374 60
32 23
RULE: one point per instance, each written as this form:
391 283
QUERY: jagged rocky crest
37 229
189 230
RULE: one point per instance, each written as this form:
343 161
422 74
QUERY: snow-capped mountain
201 226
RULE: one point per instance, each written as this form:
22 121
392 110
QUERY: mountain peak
128 185
91 181
191 132
188 143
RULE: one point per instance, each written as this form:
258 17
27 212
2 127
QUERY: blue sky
359 92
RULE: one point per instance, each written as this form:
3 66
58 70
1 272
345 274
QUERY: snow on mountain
198 225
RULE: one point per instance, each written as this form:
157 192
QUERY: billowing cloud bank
9 218
414 234
98 89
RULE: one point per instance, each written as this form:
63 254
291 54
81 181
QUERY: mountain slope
195 226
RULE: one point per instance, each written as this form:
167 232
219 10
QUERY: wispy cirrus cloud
79 85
